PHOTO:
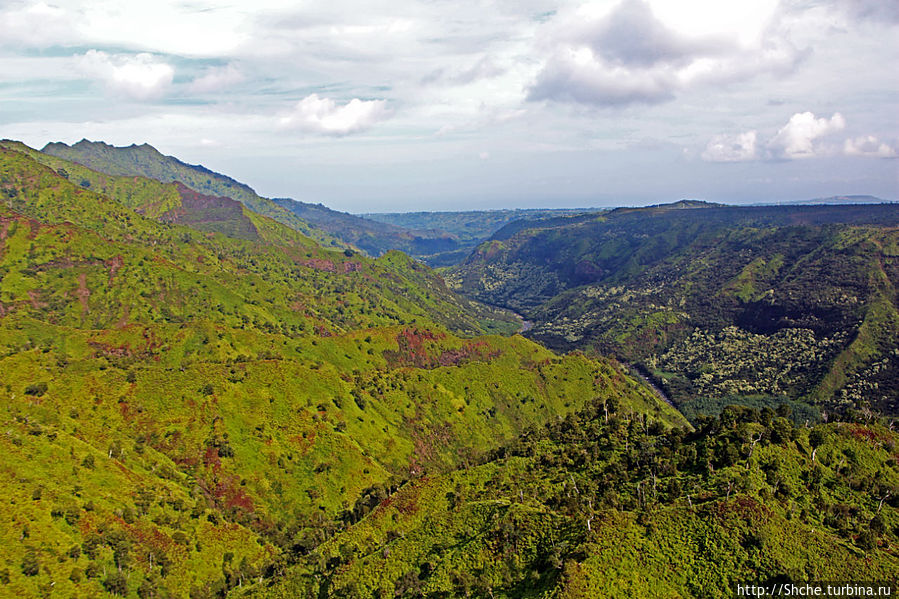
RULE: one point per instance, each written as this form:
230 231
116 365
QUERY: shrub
30 564
36 389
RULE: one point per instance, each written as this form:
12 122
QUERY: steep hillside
186 410
715 303
146 161
605 505
330 227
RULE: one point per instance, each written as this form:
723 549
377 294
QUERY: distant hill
315 220
831 200
373 237
469 227
852 199
716 302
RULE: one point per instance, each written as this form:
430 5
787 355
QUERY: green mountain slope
714 302
186 410
604 504
146 161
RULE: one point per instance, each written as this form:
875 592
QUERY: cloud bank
629 56
561 94
804 136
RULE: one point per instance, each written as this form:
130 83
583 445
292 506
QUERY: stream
526 325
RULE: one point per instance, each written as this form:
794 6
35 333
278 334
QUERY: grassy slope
239 393
592 509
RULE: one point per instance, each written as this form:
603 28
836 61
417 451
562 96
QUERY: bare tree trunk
752 445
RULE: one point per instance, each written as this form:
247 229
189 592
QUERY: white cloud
216 79
804 136
34 24
579 75
800 137
627 55
141 76
732 148
325 116
869 146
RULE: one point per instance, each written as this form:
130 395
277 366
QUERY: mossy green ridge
189 410
607 504
329 227
146 161
713 301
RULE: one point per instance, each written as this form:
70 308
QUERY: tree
116 583
816 439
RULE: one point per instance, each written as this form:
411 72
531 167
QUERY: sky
474 104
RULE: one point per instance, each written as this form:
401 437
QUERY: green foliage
146 161
716 301
208 395
800 412
607 504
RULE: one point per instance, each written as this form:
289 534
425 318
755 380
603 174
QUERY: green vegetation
187 410
146 161
608 504
200 401
713 301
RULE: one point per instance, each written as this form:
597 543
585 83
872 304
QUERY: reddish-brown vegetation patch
319 264
304 444
417 348
111 351
230 494
864 433
744 507
114 264
34 297
83 292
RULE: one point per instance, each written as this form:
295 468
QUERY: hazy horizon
412 106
